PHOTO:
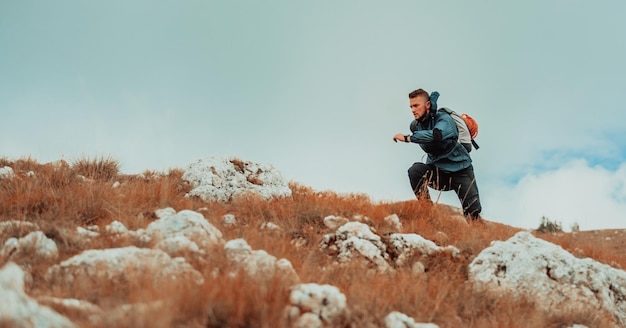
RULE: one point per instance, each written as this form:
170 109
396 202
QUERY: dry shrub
103 168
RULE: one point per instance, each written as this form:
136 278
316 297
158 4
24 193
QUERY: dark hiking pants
462 182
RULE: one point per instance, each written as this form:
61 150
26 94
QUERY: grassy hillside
66 195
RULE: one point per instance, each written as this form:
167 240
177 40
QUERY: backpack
465 124
467 127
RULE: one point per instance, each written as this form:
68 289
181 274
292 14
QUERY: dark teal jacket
445 152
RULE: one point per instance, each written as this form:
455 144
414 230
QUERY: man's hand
398 137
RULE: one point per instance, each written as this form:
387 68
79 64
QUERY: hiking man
448 166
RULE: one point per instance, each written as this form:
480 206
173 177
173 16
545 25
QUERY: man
449 166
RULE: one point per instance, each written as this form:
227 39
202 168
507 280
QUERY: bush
97 169
549 226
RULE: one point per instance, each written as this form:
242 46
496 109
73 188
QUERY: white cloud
591 196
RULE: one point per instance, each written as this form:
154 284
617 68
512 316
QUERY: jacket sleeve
446 126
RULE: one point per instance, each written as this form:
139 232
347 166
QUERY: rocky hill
226 242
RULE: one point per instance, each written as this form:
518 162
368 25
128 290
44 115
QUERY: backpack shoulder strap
446 110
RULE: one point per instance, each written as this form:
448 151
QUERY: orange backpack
472 126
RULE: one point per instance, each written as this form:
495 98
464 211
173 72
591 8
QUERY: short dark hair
418 93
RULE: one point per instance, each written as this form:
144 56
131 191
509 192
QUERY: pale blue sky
319 88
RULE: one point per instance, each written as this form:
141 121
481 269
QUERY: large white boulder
121 272
222 178
551 276
19 310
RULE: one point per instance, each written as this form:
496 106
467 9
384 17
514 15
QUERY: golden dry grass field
60 197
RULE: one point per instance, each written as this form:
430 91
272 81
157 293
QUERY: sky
319 88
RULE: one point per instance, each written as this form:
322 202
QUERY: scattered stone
403 246
394 222
355 240
35 245
229 220
86 233
258 263
307 301
190 224
361 218
270 226
400 320
15 227
6 172
333 222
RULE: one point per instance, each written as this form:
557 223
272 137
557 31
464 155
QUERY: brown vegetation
57 197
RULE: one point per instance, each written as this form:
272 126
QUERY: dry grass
57 197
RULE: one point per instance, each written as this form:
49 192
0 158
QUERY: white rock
229 220
394 221
75 309
403 245
308 320
121 271
355 240
116 228
35 245
86 233
555 279
192 225
222 178
179 245
333 222
116 184
6 172
401 320
165 212
418 269
19 310
258 263
325 301
361 218
19 226
270 226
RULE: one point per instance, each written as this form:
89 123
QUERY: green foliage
549 226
